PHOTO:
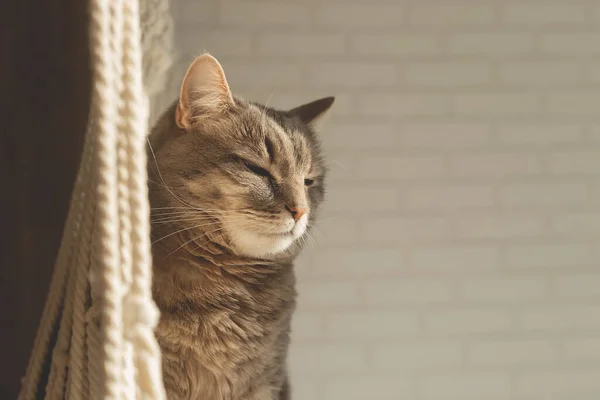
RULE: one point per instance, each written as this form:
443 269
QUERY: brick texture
457 255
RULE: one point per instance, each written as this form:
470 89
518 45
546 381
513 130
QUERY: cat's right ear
204 92
311 113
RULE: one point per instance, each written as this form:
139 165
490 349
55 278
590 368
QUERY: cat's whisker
192 216
263 117
194 213
169 208
195 208
171 234
164 185
203 209
270 97
184 214
339 164
162 214
188 212
156 183
317 229
199 218
204 213
320 221
180 247
172 221
177 219
312 238
193 239
176 213
184 220
182 230
230 218
167 216
301 241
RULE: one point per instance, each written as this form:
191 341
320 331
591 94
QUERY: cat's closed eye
309 182
256 169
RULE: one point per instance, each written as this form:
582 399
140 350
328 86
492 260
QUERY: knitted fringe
99 306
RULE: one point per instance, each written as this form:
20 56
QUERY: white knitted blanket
96 332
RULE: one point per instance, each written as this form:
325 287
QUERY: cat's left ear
311 113
204 92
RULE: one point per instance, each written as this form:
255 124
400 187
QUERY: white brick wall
457 256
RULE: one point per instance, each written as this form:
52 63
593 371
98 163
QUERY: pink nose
297 212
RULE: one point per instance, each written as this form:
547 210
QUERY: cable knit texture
99 305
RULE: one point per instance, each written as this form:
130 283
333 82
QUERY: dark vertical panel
44 99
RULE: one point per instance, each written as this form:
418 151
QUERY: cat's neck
185 273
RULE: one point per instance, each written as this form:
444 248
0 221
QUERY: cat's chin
253 245
260 245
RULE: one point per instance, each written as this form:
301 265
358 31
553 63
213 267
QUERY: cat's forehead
275 137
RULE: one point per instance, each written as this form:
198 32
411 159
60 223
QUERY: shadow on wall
44 86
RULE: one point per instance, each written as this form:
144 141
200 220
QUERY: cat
234 188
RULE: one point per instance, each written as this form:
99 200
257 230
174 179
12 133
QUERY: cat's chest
247 318
228 324
229 347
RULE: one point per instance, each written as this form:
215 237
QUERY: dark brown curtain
44 92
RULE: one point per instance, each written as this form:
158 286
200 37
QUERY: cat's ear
204 92
310 113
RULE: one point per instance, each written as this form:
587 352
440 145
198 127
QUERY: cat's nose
297 212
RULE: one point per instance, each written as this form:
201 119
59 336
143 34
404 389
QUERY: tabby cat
234 187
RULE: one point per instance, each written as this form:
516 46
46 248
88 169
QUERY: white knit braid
100 306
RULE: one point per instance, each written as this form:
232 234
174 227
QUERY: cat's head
240 174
